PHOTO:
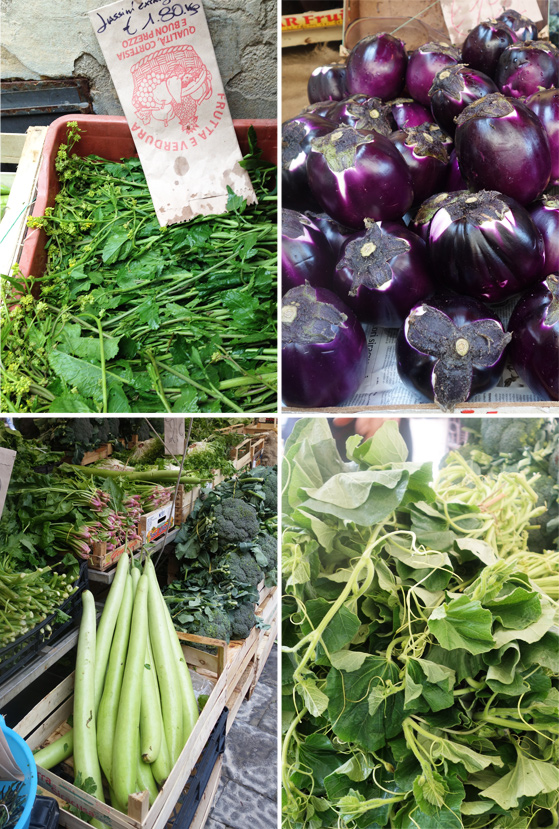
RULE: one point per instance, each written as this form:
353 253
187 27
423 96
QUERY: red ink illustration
172 83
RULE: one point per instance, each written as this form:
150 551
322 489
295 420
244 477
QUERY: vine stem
285 749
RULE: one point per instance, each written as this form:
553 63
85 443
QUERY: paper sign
461 17
163 65
7 458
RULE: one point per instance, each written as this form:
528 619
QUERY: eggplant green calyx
306 320
368 256
339 147
552 315
458 350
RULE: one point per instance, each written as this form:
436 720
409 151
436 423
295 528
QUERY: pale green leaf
462 623
527 779
315 700
348 660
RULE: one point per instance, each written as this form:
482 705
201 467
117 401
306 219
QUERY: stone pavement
247 794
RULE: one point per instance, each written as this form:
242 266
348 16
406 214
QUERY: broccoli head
266 552
509 435
242 620
215 626
235 521
239 568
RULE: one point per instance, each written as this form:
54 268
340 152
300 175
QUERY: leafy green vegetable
419 664
136 318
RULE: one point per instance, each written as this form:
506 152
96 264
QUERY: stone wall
42 39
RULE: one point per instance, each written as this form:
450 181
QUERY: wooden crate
102 560
48 719
256 449
240 455
25 151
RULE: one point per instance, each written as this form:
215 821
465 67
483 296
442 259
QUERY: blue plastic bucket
24 758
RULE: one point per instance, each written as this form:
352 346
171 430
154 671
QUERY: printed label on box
163 65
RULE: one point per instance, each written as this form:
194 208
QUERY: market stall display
474 130
419 639
156 697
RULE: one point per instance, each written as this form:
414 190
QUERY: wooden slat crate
240 454
100 454
102 560
25 151
49 718
256 449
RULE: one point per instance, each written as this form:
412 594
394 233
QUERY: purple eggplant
421 222
426 157
306 254
356 176
546 106
545 215
450 349
526 68
534 350
362 113
453 89
486 245
377 66
333 230
423 65
454 180
408 113
320 108
523 27
324 349
327 83
382 274
485 44
501 145
296 137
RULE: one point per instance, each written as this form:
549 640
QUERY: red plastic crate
108 136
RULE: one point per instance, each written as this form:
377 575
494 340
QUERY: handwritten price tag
163 66
460 17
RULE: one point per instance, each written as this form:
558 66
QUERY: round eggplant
423 65
296 137
426 157
454 180
501 145
382 274
523 27
377 66
333 230
327 83
486 245
545 104
525 69
453 89
485 44
421 222
534 350
356 176
408 113
324 349
306 255
450 349
545 215
362 113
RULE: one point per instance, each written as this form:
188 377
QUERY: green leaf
462 623
517 609
80 374
113 247
363 498
476 548
528 778
315 700
338 633
348 707
347 660
386 446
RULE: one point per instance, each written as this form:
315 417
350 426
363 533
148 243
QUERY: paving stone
214 824
269 721
251 758
239 807
252 711
269 675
